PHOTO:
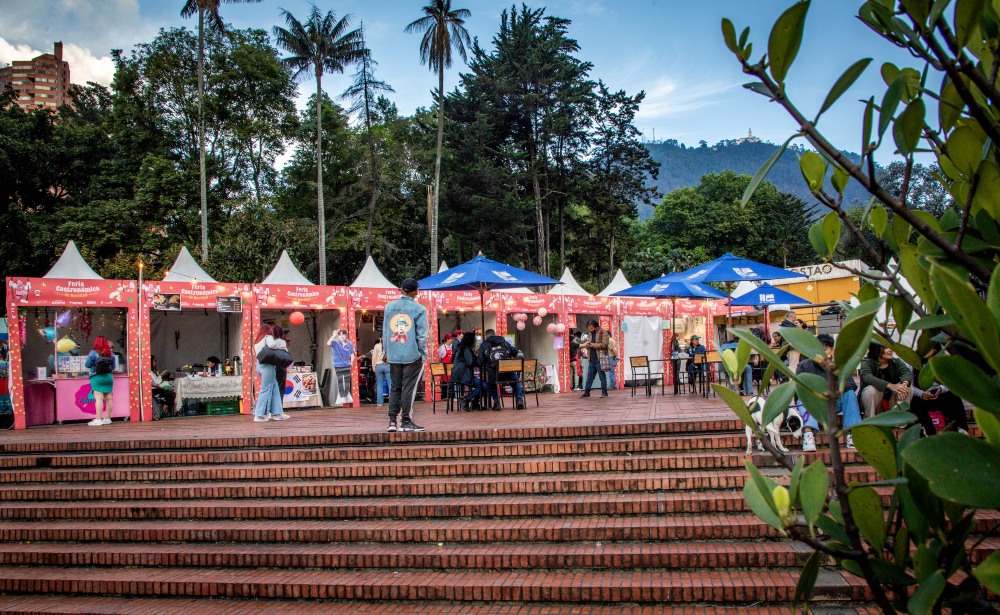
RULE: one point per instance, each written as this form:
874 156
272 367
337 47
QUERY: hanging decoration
85 322
22 320
520 325
537 321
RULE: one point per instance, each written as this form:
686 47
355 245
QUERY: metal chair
640 370
528 377
509 367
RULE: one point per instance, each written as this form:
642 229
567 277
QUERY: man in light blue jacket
404 335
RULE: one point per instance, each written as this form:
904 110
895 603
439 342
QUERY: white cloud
10 51
84 66
668 97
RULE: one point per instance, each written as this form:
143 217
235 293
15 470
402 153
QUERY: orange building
41 82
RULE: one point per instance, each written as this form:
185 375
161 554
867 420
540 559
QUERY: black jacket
485 350
462 363
808 366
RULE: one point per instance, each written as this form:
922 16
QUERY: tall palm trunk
320 207
437 171
201 135
373 169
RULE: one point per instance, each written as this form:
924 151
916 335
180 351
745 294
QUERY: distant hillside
682 166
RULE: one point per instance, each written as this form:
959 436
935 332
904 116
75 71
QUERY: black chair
508 370
640 371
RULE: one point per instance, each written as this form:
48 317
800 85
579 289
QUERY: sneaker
520 404
106 421
280 417
392 427
604 395
96 423
260 419
850 441
585 395
410 426
808 442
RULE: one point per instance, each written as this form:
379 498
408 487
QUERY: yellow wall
822 291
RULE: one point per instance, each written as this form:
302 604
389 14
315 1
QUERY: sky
670 49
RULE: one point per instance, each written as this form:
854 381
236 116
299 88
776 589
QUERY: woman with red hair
102 363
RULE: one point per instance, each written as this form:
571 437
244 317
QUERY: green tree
323 44
939 283
443 30
206 9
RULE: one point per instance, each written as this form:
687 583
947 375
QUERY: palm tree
206 9
443 29
321 44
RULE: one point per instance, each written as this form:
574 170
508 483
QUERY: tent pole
482 310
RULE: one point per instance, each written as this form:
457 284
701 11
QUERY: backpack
104 365
496 353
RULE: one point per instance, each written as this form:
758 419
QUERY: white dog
773 430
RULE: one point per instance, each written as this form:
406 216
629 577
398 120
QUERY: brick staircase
609 519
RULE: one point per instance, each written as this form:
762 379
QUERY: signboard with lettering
229 304
170 302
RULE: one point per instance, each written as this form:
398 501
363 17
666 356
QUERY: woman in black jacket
463 361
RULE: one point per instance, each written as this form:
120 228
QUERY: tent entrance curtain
188 337
537 343
643 337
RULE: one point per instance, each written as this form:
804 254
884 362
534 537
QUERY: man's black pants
405 377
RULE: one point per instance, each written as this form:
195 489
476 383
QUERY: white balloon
542 311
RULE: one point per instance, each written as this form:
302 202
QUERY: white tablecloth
221 387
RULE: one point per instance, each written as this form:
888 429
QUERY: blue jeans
476 389
515 384
747 388
612 382
594 369
382 378
270 394
847 405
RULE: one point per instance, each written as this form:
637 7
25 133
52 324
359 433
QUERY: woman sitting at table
161 395
463 363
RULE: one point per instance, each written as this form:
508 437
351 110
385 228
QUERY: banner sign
229 304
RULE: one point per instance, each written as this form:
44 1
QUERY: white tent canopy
371 277
619 283
744 287
186 269
569 286
285 272
71 266
443 267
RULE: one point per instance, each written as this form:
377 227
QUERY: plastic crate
5 405
222 407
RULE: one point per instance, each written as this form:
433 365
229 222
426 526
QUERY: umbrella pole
673 338
729 310
482 311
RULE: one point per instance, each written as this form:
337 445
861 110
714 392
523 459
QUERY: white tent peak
744 287
443 267
285 272
371 277
71 266
186 269
569 286
617 284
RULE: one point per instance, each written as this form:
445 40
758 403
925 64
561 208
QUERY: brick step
648 587
549 556
93 605
549 529
469 450
480 485
391 469
129 443
613 504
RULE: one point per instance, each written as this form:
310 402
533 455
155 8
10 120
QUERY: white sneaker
96 423
260 419
106 420
850 441
280 417
808 442
349 399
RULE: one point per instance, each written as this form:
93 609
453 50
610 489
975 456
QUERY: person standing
793 356
613 355
404 331
268 406
883 377
383 379
597 343
343 361
102 363
280 373
574 361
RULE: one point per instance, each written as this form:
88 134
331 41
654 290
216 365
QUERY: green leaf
925 597
810 389
988 572
909 126
993 293
817 240
842 84
925 560
813 169
877 448
813 488
831 231
964 147
916 274
765 485
805 342
839 179
765 352
758 87
777 402
937 321
760 506
735 403
970 313
742 357
892 418
901 547
899 232
987 197
902 312
763 171
869 516
729 35
989 424
878 219
913 514
729 362
967 14
786 36
890 573
950 106
958 468
807 581
889 103
855 337
800 463
968 381
833 528
918 10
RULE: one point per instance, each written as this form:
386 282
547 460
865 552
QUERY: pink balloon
551 328
560 328
520 325
542 311
537 320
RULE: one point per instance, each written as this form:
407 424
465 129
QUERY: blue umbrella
482 274
768 295
670 287
730 269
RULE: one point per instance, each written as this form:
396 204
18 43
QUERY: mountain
682 166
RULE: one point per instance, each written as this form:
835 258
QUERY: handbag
274 356
605 362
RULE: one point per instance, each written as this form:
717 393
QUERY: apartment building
42 82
